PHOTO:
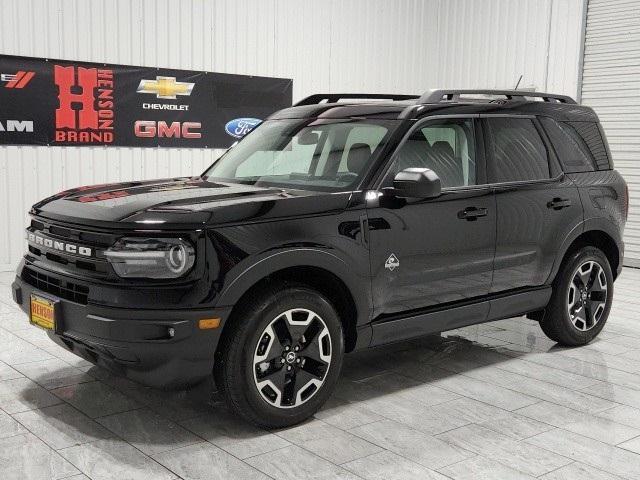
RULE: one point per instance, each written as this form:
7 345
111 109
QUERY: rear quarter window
572 150
592 135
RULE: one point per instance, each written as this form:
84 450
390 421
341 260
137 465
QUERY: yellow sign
42 312
165 87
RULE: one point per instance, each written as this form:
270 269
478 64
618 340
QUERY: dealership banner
61 102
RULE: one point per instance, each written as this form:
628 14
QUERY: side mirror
417 183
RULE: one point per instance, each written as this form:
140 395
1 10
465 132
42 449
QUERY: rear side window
573 152
590 133
519 154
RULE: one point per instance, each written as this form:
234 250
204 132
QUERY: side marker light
208 323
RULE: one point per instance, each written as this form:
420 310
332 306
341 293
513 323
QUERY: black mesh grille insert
58 287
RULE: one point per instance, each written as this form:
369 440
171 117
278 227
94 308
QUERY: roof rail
444 95
334 97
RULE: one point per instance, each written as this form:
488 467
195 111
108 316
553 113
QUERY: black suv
342 223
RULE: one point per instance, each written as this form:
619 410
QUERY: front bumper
136 343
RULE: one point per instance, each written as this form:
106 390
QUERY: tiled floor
496 401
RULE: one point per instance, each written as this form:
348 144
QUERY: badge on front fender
392 262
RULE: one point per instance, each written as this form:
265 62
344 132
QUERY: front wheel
281 359
581 298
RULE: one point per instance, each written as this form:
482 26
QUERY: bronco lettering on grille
59 245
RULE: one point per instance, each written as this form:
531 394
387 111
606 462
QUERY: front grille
55 286
89 266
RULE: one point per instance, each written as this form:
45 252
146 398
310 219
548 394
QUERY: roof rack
440 96
334 97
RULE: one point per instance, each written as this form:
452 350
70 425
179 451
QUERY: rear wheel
282 357
581 298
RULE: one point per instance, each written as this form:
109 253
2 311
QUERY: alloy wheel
587 295
292 358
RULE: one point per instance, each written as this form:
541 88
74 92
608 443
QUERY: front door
429 252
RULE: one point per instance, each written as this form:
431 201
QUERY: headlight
151 257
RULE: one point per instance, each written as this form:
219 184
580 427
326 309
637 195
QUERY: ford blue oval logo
239 127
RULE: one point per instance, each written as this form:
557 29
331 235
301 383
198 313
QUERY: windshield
310 154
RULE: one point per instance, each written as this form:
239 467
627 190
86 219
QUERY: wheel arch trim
590 226
274 262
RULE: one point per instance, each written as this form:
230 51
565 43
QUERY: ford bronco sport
342 223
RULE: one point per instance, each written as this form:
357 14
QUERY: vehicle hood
178 202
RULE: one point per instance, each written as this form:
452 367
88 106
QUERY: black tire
574 330
236 375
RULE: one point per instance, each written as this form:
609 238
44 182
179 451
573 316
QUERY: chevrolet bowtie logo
165 87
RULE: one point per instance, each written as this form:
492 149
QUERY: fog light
172 332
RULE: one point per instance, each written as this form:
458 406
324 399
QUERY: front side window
519 153
313 154
445 146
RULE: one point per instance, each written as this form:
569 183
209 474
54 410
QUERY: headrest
443 148
357 157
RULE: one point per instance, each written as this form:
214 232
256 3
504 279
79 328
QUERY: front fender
255 268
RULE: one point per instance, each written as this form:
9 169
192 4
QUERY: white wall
403 46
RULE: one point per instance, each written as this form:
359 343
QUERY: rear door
537 206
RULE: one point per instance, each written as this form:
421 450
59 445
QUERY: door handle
559 203
364 228
472 213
